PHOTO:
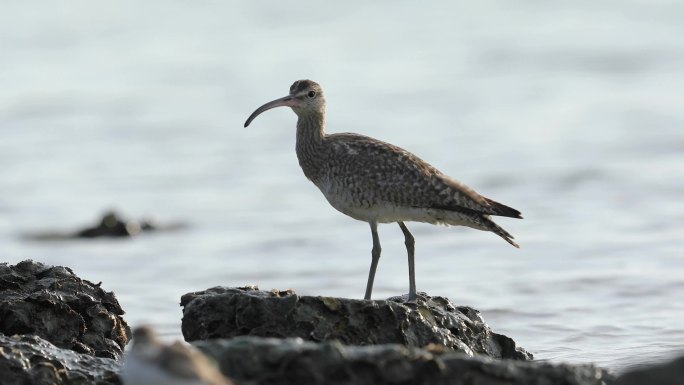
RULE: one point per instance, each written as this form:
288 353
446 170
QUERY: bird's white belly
384 212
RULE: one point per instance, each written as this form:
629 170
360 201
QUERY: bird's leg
375 254
410 248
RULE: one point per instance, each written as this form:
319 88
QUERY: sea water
570 112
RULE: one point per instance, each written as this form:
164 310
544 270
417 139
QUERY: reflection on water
569 113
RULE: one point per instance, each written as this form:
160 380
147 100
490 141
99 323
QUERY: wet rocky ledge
226 312
56 328
295 361
31 360
279 337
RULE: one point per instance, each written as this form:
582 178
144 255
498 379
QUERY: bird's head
306 97
144 335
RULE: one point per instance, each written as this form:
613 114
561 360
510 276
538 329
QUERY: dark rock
671 373
110 225
265 361
229 312
31 360
55 304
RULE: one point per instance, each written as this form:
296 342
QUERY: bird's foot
407 298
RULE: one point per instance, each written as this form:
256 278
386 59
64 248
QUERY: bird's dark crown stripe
301 85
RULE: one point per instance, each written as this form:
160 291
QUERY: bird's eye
311 94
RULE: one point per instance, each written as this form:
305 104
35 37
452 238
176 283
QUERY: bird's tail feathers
503 210
474 220
498 230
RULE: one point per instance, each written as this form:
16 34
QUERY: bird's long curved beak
287 101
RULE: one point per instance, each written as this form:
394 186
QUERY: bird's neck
310 146
310 128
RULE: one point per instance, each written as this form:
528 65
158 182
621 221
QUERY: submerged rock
262 361
55 304
31 360
222 312
111 225
671 373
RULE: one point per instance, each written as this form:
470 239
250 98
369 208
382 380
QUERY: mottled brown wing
370 166
483 205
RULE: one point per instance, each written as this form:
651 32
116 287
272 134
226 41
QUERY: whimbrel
377 182
151 362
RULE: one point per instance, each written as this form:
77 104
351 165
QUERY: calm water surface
569 112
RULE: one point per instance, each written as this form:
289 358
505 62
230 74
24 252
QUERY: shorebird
150 362
377 182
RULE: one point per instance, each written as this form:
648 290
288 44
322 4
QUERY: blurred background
570 112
